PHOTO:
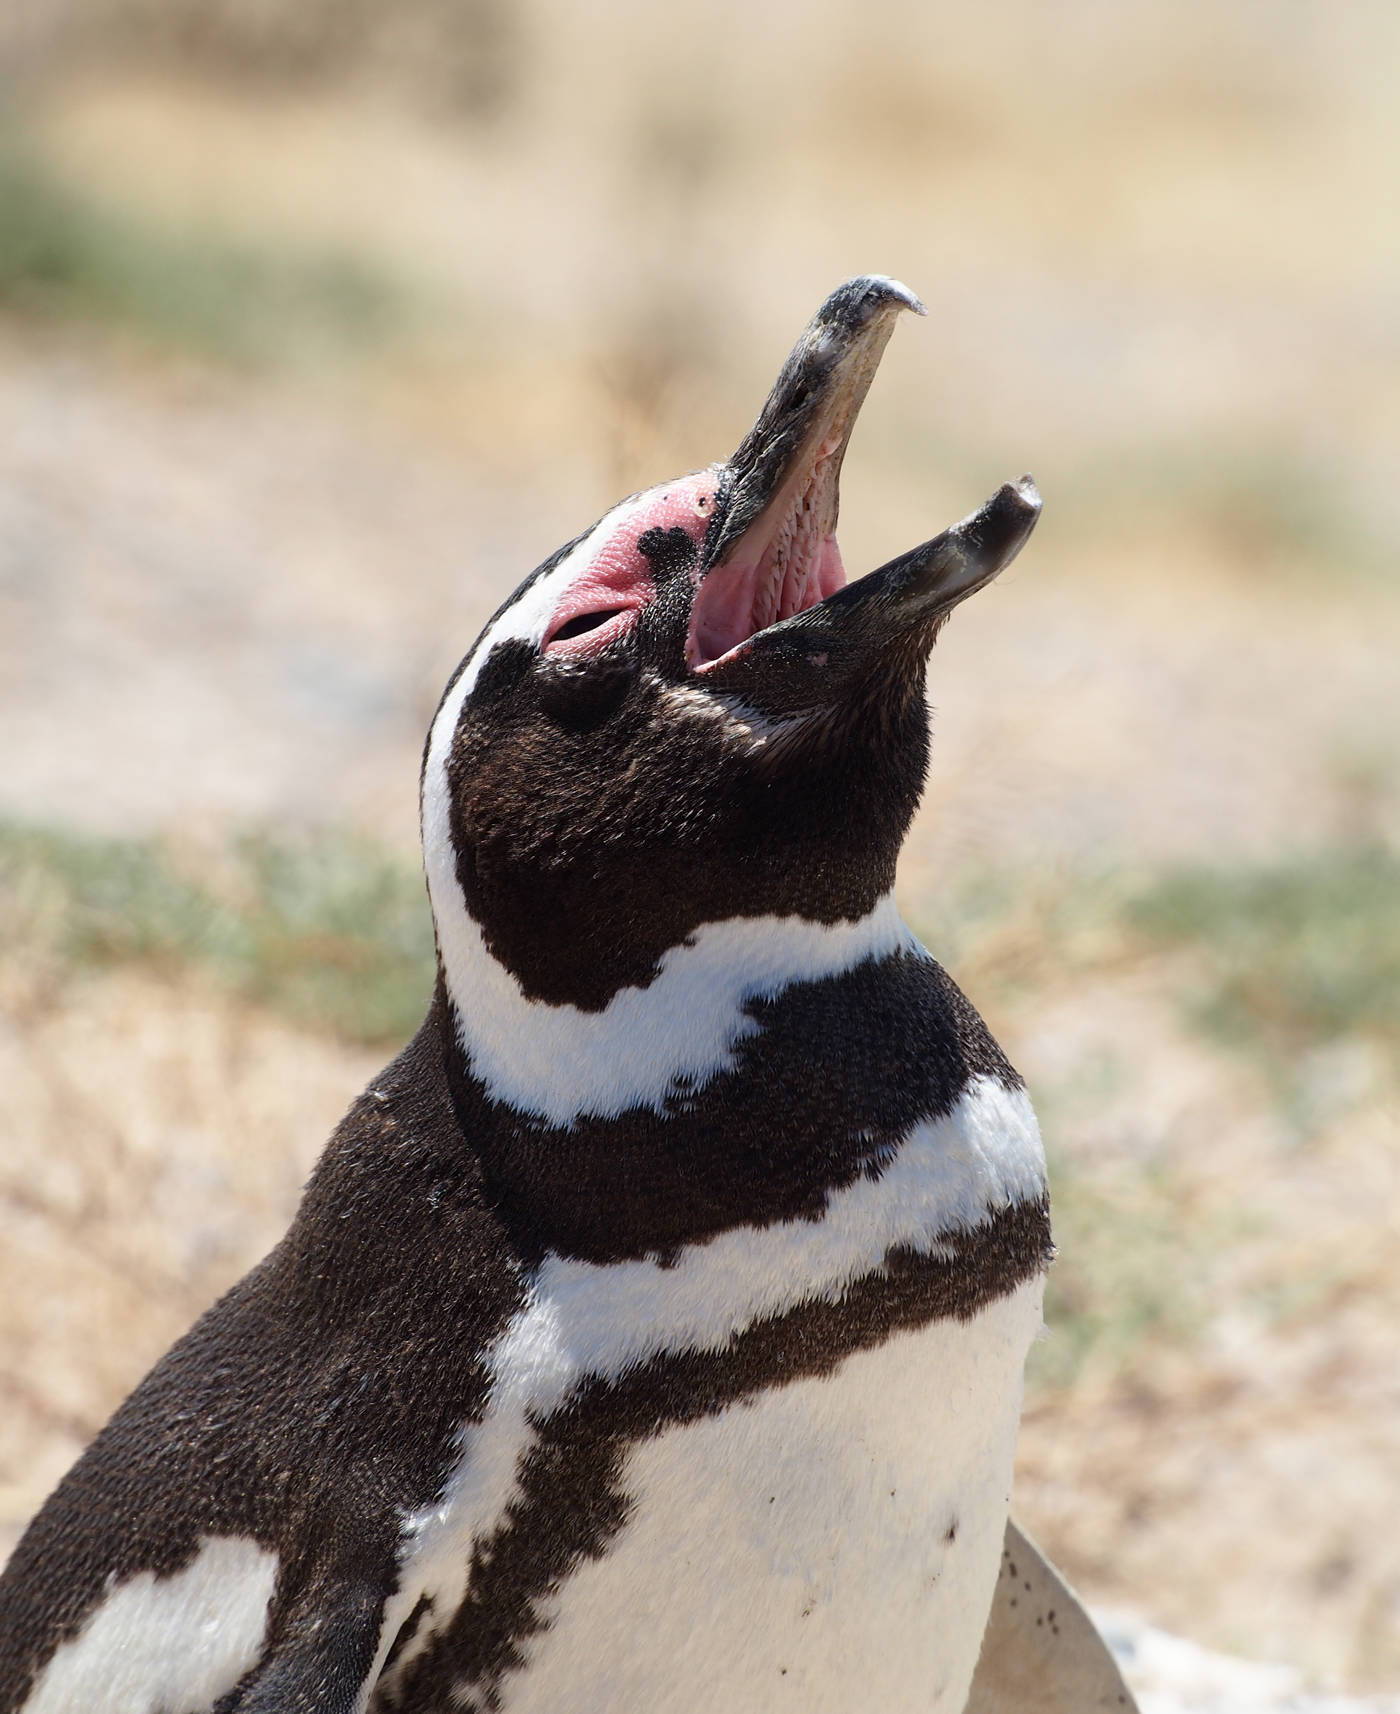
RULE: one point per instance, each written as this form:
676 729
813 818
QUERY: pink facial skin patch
603 602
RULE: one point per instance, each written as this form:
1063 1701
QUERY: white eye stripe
527 620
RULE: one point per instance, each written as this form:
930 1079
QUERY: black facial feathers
600 817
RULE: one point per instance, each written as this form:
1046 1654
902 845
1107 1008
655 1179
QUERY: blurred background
321 325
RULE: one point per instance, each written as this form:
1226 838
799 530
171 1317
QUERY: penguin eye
580 694
586 622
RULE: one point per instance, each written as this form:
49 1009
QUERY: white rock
1170 1675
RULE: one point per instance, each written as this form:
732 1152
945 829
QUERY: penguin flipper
319 1661
1041 1653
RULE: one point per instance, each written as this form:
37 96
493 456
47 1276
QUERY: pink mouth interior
779 568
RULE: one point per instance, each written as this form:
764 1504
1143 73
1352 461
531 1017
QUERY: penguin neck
771 1065
562 1064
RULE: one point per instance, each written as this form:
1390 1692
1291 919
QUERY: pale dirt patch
1170 1675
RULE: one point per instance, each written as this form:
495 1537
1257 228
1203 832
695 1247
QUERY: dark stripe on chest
571 1501
823 1093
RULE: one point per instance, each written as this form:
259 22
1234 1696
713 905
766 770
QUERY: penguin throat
563 1062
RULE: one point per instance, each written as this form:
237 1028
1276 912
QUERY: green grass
1294 954
65 257
1286 956
328 930
1277 962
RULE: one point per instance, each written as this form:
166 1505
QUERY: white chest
798 1477
831 1545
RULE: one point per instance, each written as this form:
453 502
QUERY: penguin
650 1333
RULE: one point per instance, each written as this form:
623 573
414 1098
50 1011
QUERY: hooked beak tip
1026 491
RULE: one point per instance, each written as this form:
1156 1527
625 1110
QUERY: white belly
832 1545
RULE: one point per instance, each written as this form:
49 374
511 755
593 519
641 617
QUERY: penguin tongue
771 550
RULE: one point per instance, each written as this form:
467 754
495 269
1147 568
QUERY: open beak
771 582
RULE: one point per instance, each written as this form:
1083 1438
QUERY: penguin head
687 714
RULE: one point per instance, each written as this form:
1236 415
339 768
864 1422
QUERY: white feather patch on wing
166 1645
